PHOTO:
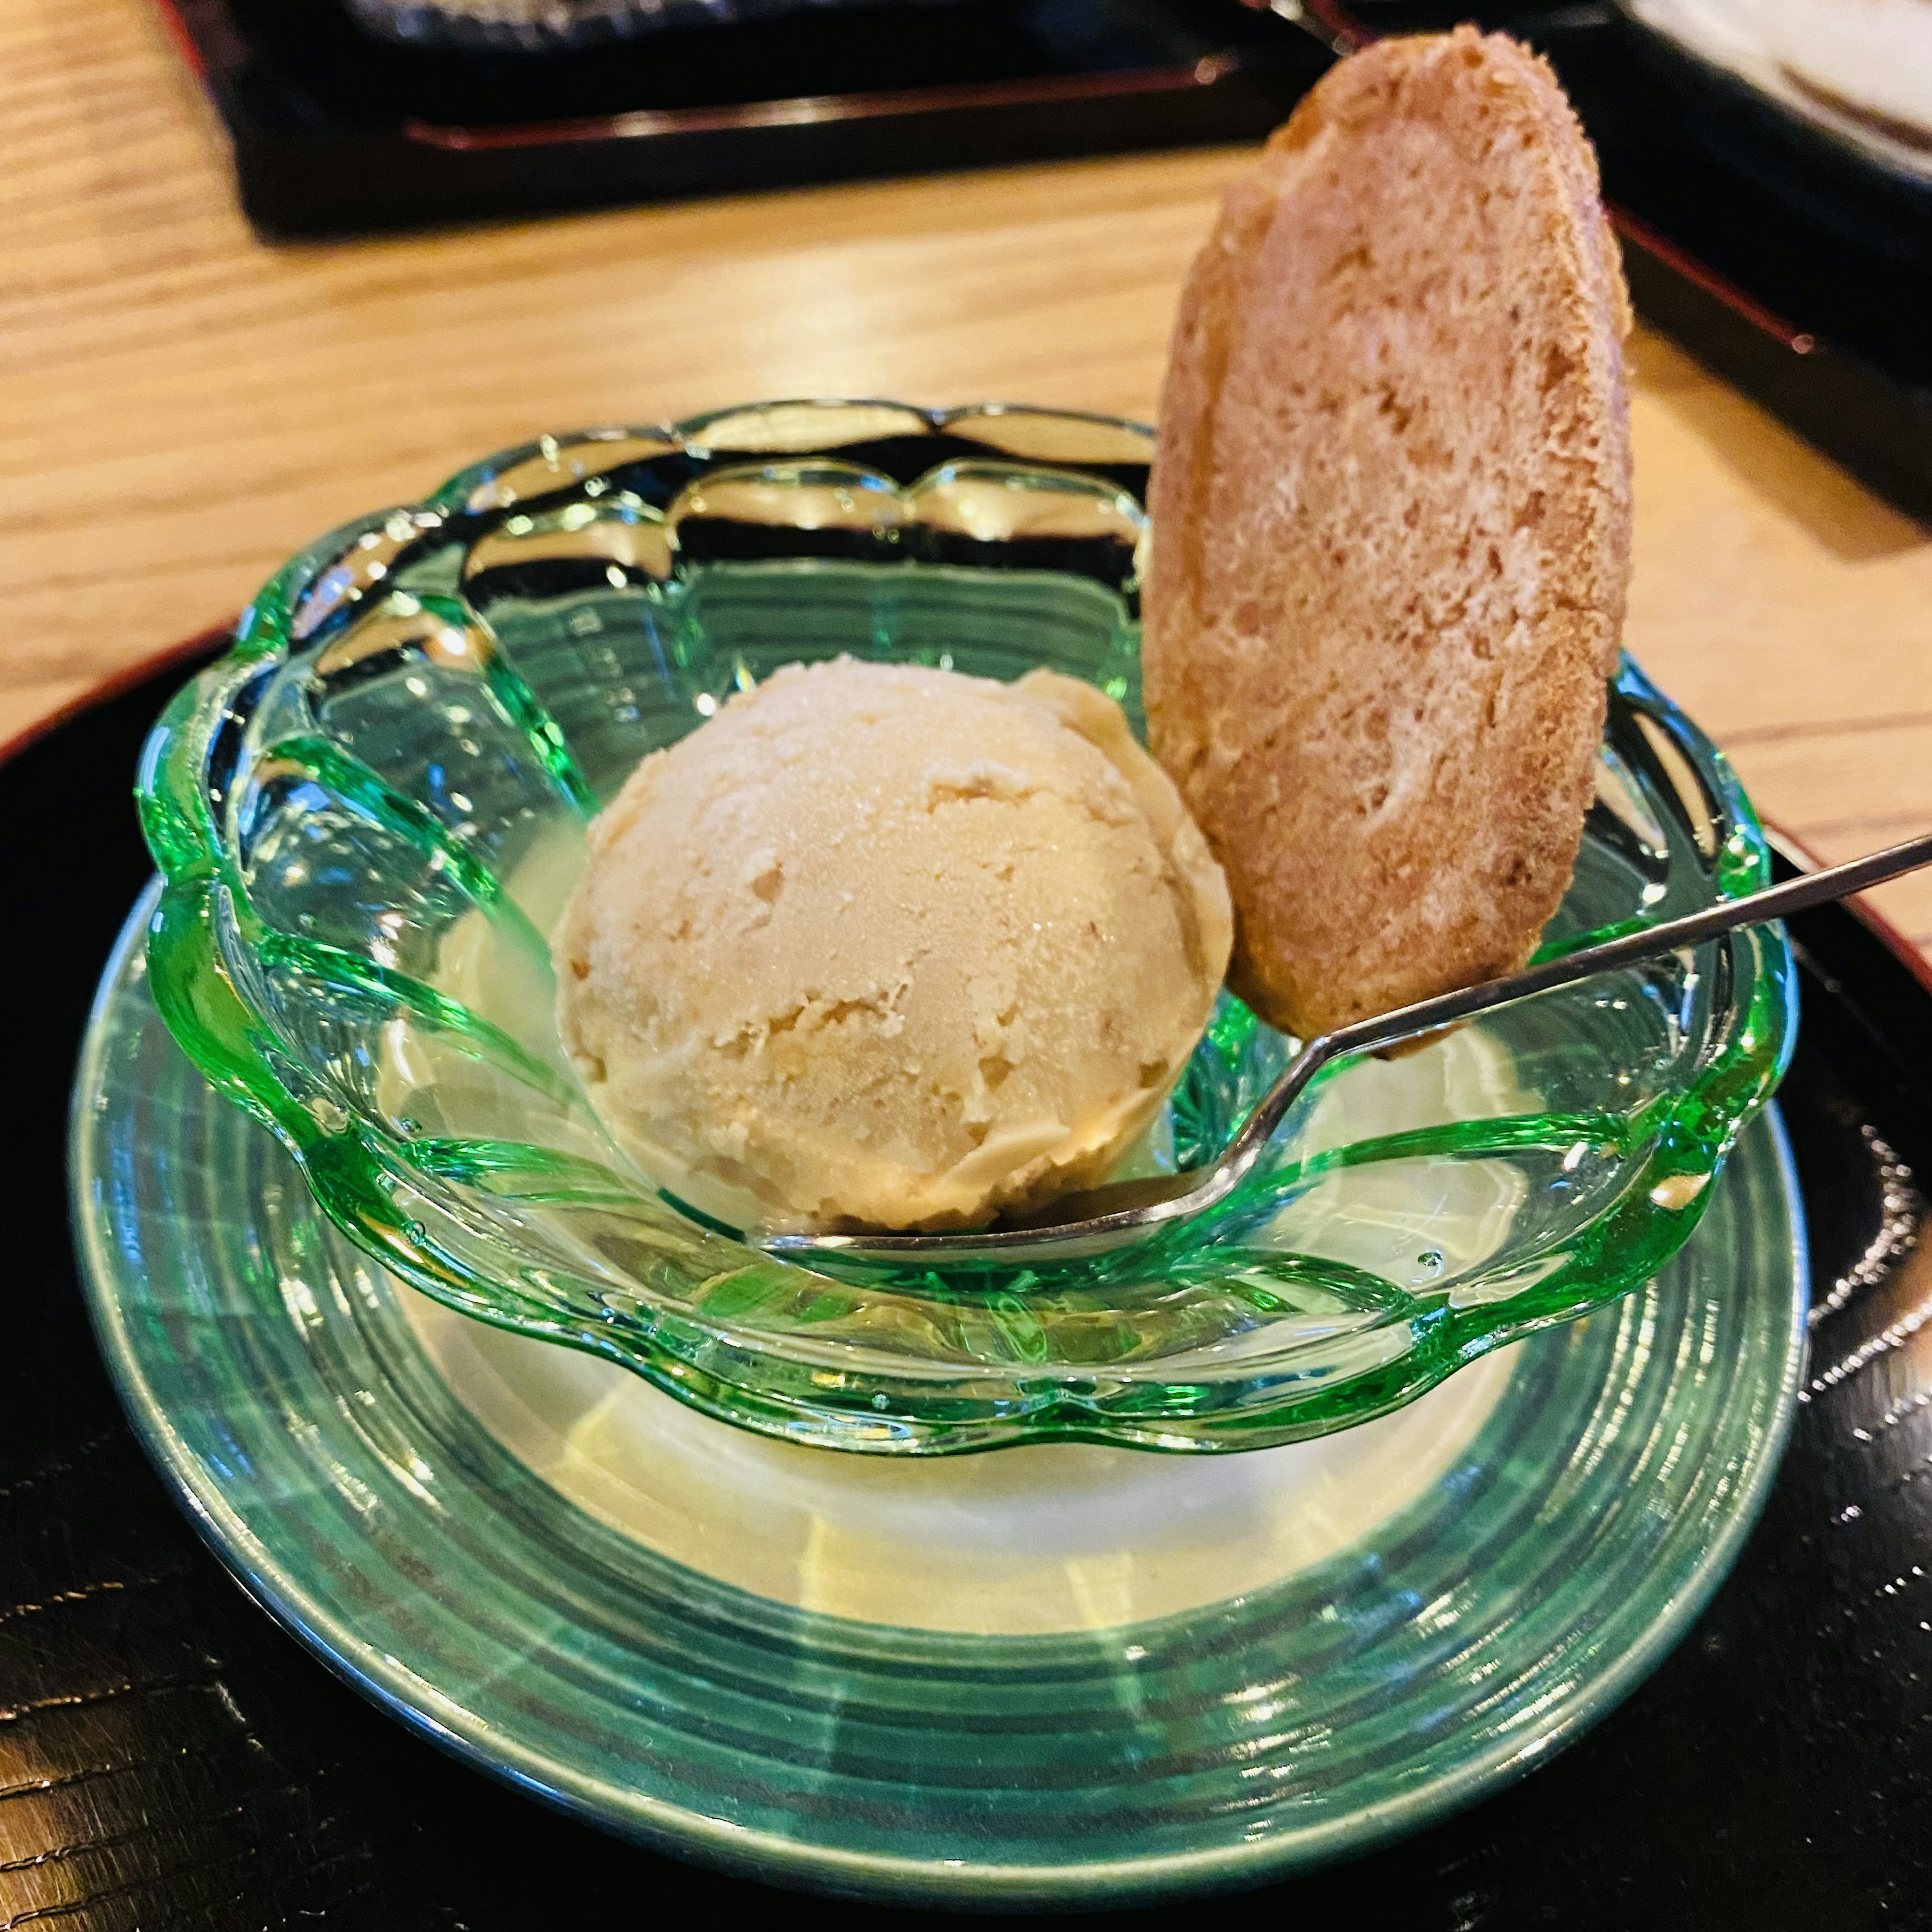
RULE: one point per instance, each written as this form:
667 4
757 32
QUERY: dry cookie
1391 516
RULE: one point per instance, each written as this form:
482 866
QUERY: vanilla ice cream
888 947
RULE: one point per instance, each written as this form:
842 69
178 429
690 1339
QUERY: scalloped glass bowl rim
267 630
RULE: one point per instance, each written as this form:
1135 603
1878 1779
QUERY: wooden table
184 406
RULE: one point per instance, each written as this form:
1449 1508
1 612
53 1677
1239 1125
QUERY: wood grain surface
185 405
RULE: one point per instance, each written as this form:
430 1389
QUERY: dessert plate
1058 1676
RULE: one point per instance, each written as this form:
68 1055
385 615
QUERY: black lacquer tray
168 1758
1797 269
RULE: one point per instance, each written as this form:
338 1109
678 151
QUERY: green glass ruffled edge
1625 1247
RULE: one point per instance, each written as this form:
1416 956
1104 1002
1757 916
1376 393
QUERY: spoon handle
1811 889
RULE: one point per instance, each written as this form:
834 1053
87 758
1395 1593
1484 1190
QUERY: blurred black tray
1793 267
337 132
168 1758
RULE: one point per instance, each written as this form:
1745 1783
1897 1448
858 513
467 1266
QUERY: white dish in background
1858 70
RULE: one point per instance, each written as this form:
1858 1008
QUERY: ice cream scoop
878 945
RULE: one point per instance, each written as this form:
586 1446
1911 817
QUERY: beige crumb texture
880 946
1391 512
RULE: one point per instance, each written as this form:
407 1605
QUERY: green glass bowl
367 814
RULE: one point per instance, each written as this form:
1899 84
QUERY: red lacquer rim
807 110
1859 906
203 644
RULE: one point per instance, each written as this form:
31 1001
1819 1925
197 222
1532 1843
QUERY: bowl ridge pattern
421 707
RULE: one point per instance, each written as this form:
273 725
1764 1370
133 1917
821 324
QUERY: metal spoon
1097 1218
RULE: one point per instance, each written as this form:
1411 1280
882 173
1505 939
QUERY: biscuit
1391 522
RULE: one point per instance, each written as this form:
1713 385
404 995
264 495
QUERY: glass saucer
1296 1701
